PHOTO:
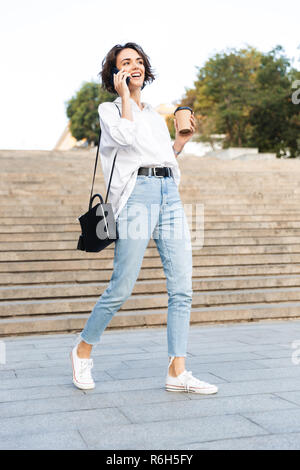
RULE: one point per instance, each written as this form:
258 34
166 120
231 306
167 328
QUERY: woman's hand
120 84
181 140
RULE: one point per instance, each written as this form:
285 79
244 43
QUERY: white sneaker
82 376
185 382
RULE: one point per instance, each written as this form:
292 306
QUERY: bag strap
97 162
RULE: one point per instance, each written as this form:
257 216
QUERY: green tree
171 127
246 95
82 110
275 120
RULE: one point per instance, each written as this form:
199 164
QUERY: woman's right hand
120 83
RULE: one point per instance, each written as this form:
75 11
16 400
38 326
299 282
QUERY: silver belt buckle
157 176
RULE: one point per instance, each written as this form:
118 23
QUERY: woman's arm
119 131
126 108
177 148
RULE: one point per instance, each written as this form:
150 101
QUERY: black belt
158 171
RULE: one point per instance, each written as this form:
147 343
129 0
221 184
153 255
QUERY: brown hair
110 61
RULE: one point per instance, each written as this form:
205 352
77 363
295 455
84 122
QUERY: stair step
44 255
206 285
230 227
209 233
146 273
74 323
146 301
229 242
209 217
150 262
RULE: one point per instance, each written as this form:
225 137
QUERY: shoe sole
78 385
191 390
83 387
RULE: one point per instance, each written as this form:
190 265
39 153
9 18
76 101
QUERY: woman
144 196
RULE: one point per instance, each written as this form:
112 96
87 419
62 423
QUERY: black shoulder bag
98 225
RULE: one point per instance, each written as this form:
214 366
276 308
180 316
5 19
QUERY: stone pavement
257 406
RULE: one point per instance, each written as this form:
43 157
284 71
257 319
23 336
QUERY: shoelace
86 366
192 381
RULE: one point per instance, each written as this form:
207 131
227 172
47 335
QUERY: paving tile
241 348
258 387
32 393
277 362
156 348
53 405
140 398
71 440
202 359
293 396
275 353
18 347
42 381
130 384
203 406
104 350
272 339
197 368
40 338
122 373
70 399
268 442
255 374
22 365
127 373
100 363
143 355
161 434
215 367
15 357
65 370
7 374
277 421
108 351
100 419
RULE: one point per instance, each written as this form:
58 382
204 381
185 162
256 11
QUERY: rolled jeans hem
88 342
177 355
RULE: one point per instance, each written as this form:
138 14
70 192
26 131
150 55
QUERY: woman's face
132 62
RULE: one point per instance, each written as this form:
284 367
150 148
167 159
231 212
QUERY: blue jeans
153 210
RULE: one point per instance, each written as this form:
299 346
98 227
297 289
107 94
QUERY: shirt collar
147 105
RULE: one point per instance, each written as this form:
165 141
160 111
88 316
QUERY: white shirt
145 141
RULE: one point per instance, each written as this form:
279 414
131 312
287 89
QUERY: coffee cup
183 117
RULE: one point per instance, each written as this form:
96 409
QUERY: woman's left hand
181 140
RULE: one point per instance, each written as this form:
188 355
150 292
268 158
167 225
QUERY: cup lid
183 107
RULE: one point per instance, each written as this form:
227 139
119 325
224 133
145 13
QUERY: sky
49 48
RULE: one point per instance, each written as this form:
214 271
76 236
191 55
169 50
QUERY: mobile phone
116 70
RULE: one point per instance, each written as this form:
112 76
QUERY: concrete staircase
247 269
